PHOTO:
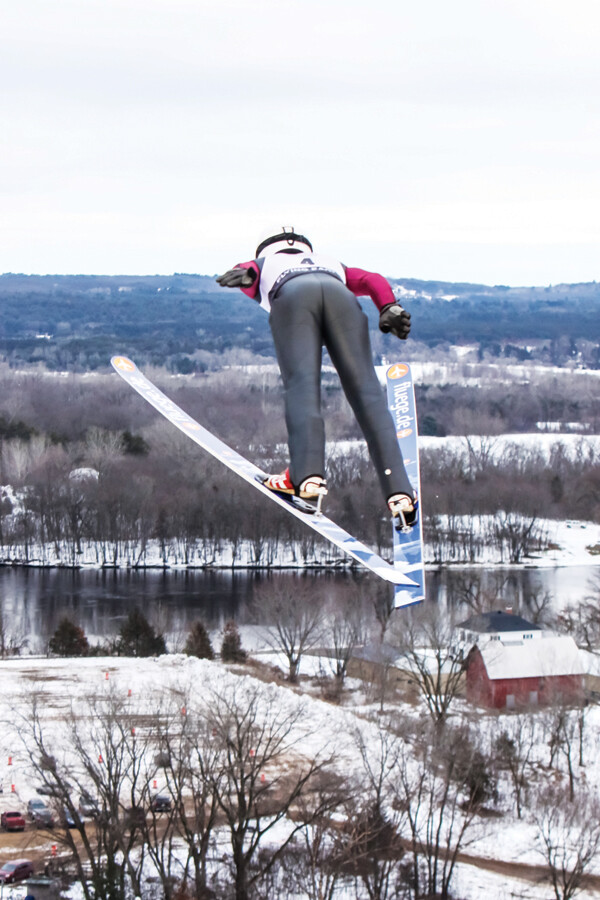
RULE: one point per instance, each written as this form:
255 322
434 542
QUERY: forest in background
187 322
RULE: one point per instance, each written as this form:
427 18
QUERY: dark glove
237 278
395 319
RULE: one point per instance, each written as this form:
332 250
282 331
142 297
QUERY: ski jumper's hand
237 277
393 318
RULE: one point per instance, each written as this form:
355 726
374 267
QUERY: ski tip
394 576
123 364
404 599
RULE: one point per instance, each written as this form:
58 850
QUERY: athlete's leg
346 335
296 325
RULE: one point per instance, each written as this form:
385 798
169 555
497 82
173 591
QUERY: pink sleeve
371 285
251 291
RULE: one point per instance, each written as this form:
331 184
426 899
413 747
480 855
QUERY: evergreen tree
137 637
198 642
68 640
231 648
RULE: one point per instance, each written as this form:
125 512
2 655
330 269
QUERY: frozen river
32 600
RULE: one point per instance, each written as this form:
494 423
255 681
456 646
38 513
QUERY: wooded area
187 322
88 462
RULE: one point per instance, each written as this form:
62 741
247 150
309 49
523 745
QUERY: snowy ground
323 726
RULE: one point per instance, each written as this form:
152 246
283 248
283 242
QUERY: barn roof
498 621
549 657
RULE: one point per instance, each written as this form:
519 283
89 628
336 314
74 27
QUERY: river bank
484 541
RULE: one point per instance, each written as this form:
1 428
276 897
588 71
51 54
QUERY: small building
380 661
496 626
376 661
512 663
592 674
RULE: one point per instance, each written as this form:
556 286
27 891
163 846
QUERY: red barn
504 675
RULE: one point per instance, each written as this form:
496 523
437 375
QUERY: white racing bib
280 267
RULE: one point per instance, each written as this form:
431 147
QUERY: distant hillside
77 321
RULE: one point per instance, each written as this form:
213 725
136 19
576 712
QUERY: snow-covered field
323 727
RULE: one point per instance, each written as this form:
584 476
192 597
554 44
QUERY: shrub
137 637
198 642
68 640
231 648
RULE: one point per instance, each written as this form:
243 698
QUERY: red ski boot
310 488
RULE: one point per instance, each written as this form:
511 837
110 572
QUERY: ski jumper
312 302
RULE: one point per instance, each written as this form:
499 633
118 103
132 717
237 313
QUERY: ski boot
404 510
312 488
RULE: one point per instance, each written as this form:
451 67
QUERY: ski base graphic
408 545
252 474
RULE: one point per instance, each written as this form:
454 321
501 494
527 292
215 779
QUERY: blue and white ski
408 545
253 475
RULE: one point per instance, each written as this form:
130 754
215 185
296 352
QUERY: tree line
241 397
92 473
151 498
76 322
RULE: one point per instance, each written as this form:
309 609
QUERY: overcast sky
431 139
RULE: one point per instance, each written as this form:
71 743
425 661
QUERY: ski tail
408 545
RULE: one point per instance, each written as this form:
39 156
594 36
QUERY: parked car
40 814
88 806
14 871
48 790
66 818
12 821
160 803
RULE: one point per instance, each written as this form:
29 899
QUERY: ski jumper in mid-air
311 301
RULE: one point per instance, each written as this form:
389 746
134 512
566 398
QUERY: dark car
40 814
88 806
49 790
12 821
66 818
160 803
14 871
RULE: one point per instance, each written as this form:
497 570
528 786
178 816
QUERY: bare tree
517 535
514 747
478 594
425 642
383 607
440 803
375 851
482 448
346 629
583 620
317 861
11 642
539 604
188 759
564 725
105 760
568 837
293 617
260 777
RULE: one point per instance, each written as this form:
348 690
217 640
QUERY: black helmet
286 239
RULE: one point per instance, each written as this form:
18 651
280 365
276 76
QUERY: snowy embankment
464 541
65 687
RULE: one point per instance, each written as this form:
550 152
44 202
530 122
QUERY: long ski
408 545
254 475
